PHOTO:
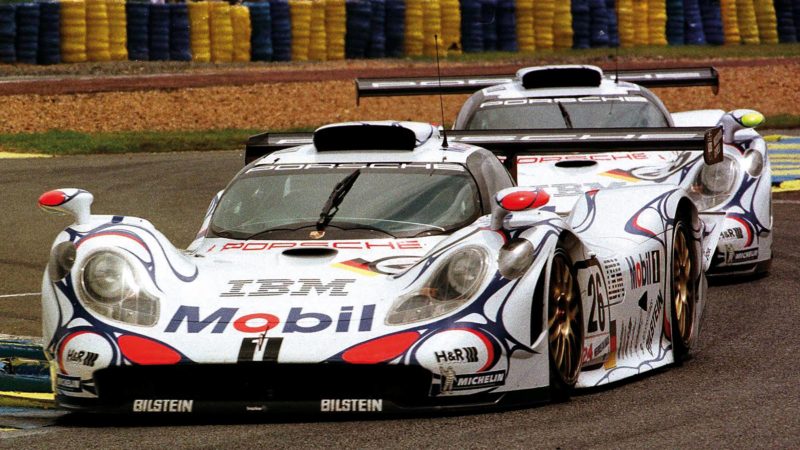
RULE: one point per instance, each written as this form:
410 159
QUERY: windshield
386 200
576 112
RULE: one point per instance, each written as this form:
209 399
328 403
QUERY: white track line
27 294
786 202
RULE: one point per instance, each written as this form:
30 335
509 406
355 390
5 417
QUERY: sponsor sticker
163 405
66 383
463 382
351 405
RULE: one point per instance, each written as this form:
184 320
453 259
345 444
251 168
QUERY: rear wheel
684 292
565 326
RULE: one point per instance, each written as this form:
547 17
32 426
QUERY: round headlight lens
465 270
718 178
108 278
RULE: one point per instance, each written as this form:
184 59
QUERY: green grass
75 143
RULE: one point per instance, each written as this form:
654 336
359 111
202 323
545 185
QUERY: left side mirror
739 119
75 202
516 199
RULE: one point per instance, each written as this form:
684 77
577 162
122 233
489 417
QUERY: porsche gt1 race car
378 269
561 97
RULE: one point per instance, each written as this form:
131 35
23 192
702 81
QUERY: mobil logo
189 319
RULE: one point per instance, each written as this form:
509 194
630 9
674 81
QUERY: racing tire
683 291
564 326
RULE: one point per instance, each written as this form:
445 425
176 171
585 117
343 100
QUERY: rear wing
467 84
508 144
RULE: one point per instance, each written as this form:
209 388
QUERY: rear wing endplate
266 143
467 84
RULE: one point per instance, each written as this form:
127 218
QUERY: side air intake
560 76
364 136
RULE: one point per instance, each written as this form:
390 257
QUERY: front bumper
278 389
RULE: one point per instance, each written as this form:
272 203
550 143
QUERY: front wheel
565 325
684 291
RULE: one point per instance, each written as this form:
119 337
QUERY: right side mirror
739 119
516 199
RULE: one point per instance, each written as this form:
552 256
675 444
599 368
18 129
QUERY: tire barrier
656 22
50 33
675 23
73 31
451 26
694 23
27 36
730 22
526 39
137 17
562 25
471 28
432 28
766 21
300 11
318 43
8 33
787 32
358 28
179 36
221 28
581 24
506 22
598 23
625 20
117 35
200 31
281 30
376 45
613 29
158 33
97 31
261 31
489 24
544 22
641 33
240 19
748 27
395 27
336 28
712 22
414 42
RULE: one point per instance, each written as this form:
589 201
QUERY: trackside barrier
23 367
282 30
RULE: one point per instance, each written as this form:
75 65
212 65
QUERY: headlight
61 260
453 284
110 288
754 163
715 183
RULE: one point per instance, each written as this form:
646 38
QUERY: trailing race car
568 97
378 268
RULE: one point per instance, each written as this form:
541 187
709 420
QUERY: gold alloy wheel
564 321
682 295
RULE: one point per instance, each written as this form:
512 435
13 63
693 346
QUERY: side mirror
739 119
75 202
516 199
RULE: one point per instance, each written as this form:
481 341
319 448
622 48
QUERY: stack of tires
526 39
159 32
748 27
489 24
656 22
451 26
300 11
335 29
318 43
613 27
414 42
179 35
767 22
730 22
376 43
137 17
117 35
199 31
627 32
73 31
97 31
50 33
581 24
431 27
506 26
641 33
562 25
358 28
261 31
712 22
785 17
471 28
598 25
27 39
281 30
240 20
544 19
694 33
221 28
395 28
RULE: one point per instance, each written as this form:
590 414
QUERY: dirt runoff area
312 95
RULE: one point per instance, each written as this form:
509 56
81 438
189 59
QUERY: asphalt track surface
739 391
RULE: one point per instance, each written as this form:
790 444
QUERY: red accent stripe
381 349
746 229
486 342
111 233
147 351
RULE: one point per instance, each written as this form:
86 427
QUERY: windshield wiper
564 114
334 200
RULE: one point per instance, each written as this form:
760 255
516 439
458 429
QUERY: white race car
378 269
572 97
